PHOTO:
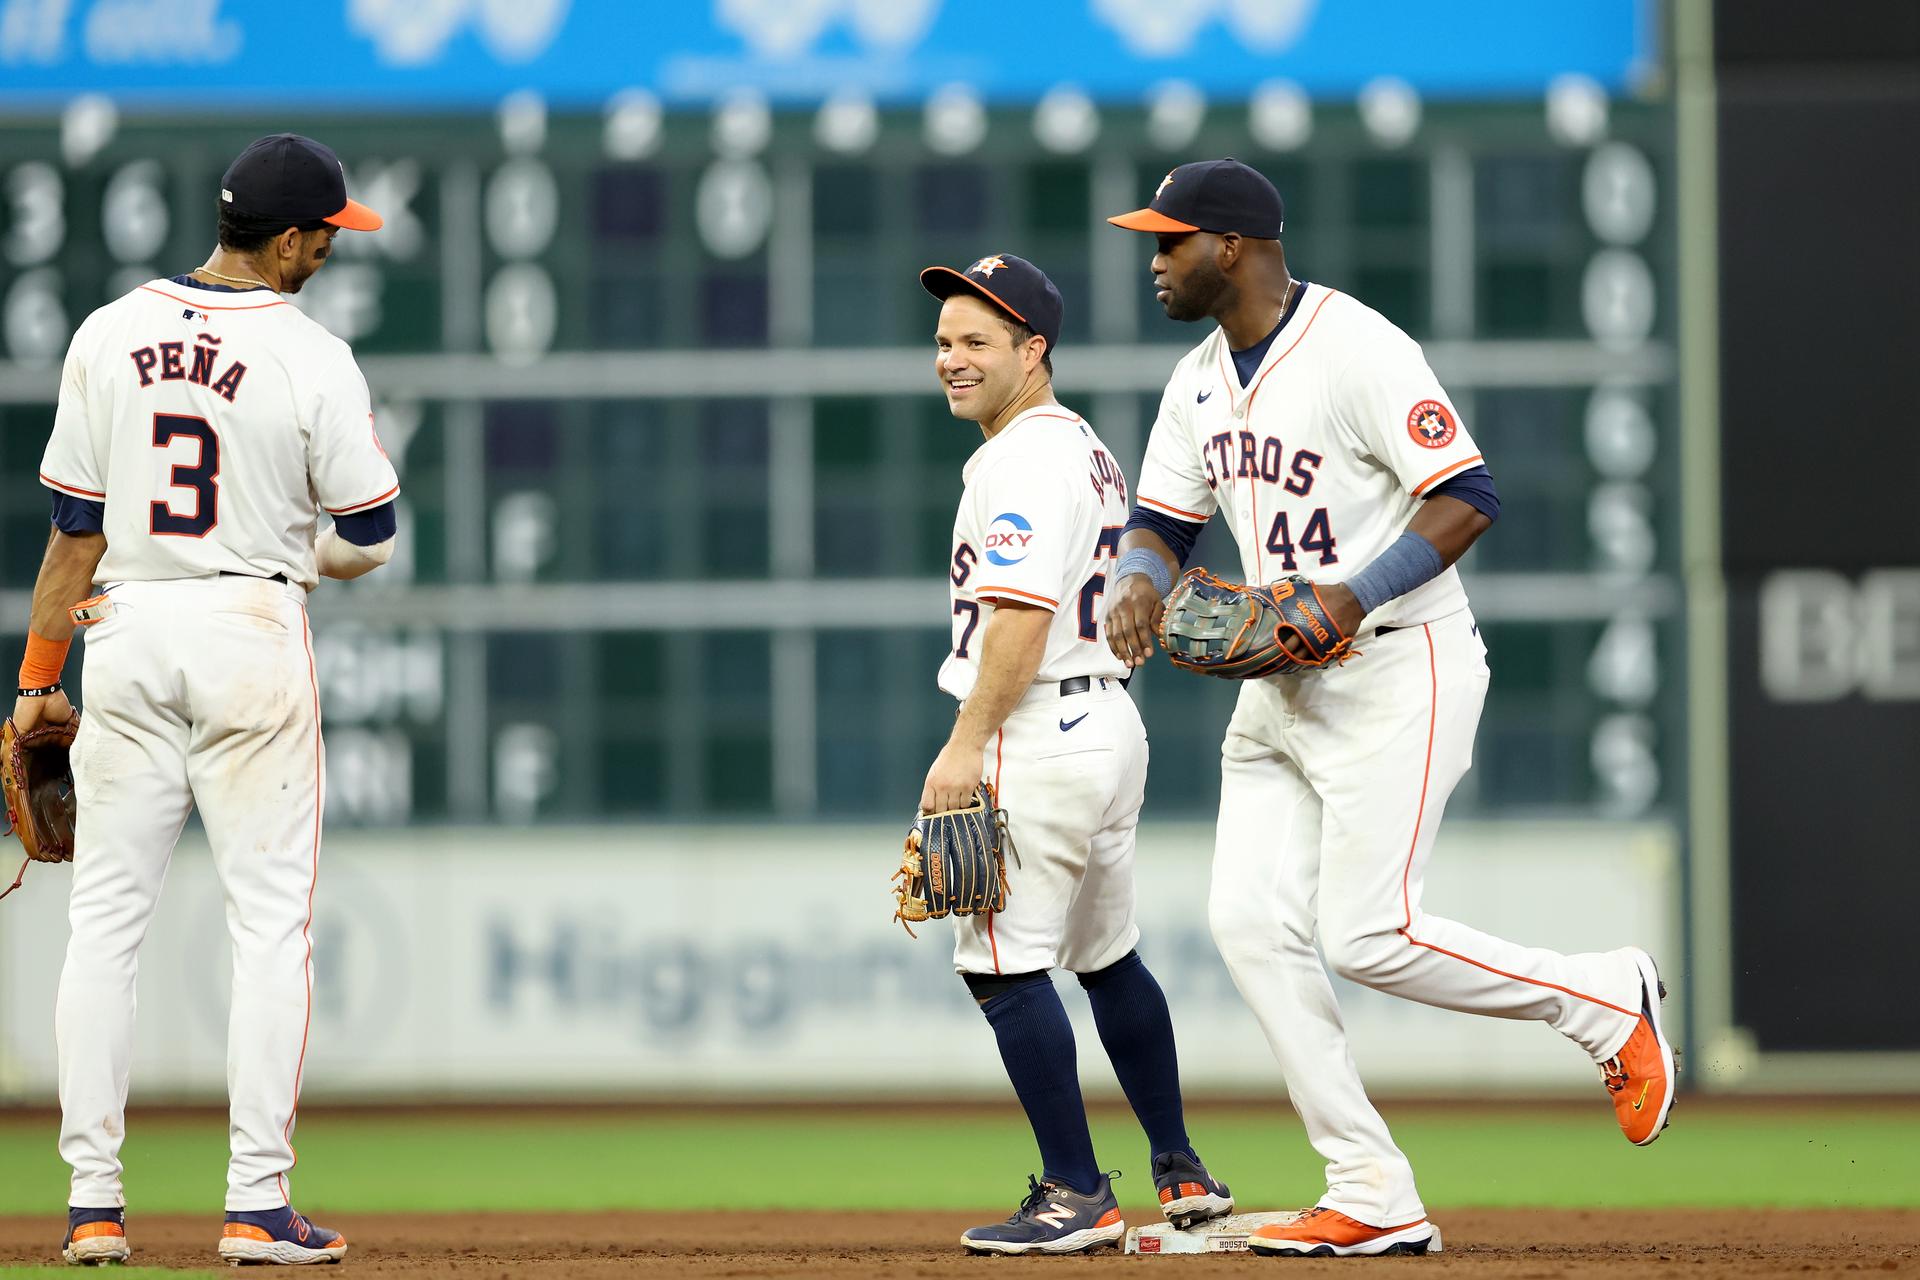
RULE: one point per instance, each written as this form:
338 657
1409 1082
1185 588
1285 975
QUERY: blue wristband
1140 560
1411 561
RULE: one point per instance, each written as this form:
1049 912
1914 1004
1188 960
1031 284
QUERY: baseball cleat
278 1236
1188 1193
1054 1219
1320 1232
1640 1076
96 1237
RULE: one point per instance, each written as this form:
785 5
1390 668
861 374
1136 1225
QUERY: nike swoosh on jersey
1068 724
1202 397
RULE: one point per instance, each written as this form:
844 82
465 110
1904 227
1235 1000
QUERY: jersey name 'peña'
1040 524
214 426
1320 461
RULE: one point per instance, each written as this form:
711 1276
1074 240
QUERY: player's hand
952 780
1133 619
31 713
1342 606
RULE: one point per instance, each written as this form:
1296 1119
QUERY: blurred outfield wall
677 961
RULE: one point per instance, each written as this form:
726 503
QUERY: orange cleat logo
1641 1101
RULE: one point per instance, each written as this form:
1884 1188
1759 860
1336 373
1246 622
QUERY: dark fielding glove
954 863
38 782
1240 632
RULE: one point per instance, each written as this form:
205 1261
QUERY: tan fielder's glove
954 863
37 778
1240 632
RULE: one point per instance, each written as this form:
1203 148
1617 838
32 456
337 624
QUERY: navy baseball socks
1130 1011
1036 1046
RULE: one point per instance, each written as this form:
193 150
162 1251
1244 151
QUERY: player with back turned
1045 720
1315 429
203 425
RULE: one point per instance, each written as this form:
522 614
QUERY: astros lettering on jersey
1318 463
215 426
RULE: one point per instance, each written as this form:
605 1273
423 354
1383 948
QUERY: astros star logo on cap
1164 184
987 266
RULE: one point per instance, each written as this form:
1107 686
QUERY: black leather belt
280 578
1080 684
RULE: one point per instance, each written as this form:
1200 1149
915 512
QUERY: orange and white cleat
1640 1076
279 1236
96 1237
1321 1232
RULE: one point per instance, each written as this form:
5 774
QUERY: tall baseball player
1045 718
203 425
1314 427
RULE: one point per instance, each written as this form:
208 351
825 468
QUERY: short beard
1200 296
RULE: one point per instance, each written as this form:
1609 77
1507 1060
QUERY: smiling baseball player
1045 720
1315 429
203 425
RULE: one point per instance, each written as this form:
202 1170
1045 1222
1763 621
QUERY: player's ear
1034 350
1229 249
286 245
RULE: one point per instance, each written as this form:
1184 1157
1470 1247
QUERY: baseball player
1045 719
1315 429
203 425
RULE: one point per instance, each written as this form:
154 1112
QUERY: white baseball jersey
1333 783
215 426
1040 523
1322 459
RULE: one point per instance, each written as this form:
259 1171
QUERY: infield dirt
1506 1242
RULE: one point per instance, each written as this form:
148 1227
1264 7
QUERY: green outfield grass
358 1162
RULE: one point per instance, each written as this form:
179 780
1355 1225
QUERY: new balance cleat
1640 1076
96 1237
1327 1233
1188 1193
278 1236
1054 1219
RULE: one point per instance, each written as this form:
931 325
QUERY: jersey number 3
203 477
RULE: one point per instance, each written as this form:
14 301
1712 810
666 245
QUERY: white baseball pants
1332 787
1071 772
197 691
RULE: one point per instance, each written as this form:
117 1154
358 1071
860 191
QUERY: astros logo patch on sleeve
1431 424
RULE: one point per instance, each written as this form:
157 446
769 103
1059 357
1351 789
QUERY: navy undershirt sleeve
1474 486
1179 535
76 516
366 528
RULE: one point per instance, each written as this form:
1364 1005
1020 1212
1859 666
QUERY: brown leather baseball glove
37 779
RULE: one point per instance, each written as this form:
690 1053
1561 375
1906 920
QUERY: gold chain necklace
209 271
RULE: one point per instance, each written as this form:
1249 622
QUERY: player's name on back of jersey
167 362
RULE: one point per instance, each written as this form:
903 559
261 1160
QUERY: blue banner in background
463 53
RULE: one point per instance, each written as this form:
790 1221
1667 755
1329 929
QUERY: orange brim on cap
357 217
1148 220
968 284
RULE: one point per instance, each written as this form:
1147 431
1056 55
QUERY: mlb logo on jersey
1008 538
1431 424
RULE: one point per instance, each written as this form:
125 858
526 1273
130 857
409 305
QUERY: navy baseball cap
1012 284
290 180
1212 195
